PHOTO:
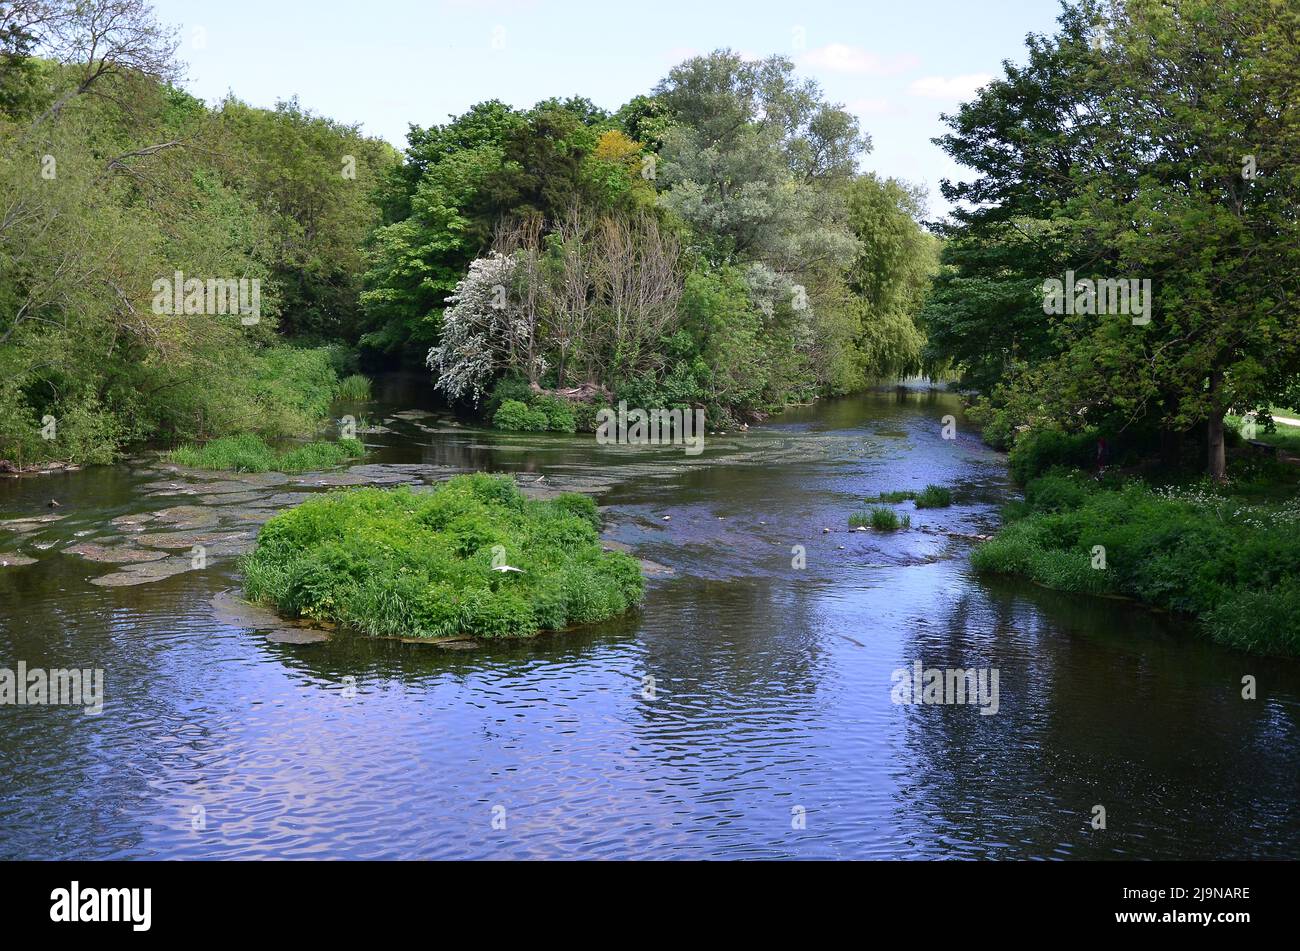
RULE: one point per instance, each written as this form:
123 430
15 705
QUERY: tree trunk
1218 464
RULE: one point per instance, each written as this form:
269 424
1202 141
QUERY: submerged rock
145 574
115 555
32 524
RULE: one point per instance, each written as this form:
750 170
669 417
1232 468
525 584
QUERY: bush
1038 450
517 416
510 387
1059 491
396 564
1259 620
584 416
558 412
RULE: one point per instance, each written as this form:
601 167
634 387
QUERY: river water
744 712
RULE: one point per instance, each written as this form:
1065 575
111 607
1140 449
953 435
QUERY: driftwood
584 393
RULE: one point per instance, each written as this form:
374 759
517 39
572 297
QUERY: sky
385 64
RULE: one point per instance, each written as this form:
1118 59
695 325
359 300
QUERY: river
744 712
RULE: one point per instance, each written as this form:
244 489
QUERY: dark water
768 728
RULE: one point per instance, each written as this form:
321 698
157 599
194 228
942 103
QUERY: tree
1119 152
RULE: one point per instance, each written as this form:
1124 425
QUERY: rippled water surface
767 729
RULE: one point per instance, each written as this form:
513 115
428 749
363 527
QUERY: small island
474 557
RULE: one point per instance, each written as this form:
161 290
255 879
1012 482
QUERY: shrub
1058 491
1260 620
509 387
584 416
396 563
558 412
517 416
1038 450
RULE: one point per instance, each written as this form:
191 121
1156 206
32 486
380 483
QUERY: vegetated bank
1180 312
472 557
1225 554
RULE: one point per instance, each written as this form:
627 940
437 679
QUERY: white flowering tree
481 329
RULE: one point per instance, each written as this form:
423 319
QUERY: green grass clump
250 453
393 563
355 388
931 497
934 497
884 519
1229 562
894 497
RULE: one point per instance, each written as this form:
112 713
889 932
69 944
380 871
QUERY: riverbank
1221 555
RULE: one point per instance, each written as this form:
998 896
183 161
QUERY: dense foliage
1231 562
111 179
472 557
710 245
1145 140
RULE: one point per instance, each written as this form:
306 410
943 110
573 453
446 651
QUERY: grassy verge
249 453
1231 563
392 563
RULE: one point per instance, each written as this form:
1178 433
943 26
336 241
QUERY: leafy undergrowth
1233 564
250 453
394 563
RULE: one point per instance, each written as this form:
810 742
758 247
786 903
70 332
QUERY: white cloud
953 88
841 58
870 107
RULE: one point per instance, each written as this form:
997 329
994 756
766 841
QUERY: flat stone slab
233 609
115 555
33 524
11 559
145 574
190 539
234 498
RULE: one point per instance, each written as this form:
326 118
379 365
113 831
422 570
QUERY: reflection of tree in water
1091 714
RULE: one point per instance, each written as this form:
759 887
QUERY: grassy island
473 557
250 453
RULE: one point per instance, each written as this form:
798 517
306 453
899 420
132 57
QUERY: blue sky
896 64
